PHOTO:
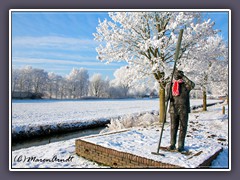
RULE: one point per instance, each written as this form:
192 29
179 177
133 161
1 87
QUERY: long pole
174 68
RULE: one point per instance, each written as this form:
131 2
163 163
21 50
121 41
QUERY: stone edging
114 158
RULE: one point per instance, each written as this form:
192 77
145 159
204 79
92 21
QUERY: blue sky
61 41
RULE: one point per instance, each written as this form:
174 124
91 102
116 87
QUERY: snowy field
36 116
206 130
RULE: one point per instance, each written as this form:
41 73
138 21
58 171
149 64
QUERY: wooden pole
223 110
174 67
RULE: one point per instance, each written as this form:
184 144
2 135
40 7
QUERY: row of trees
147 41
77 84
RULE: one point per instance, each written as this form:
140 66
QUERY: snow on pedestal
118 149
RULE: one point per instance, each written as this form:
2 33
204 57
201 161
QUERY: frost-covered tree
53 84
15 79
98 86
28 80
140 90
39 77
63 88
147 41
58 80
127 81
124 78
115 91
22 79
28 74
84 82
219 78
72 83
203 63
78 80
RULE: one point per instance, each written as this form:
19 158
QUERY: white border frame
115 10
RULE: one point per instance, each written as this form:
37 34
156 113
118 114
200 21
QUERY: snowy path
209 127
30 117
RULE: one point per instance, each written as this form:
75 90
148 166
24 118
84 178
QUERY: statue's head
178 74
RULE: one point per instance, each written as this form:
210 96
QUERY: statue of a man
179 108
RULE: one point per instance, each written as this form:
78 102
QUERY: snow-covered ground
39 116
143 141
207 130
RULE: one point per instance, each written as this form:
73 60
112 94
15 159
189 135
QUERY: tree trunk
223 110
204 101
161 104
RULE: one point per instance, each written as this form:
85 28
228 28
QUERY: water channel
55 138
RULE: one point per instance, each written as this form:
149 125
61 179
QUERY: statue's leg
183 116
174 128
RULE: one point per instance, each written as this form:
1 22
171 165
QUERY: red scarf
175 88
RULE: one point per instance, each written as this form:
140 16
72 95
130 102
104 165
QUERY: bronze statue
179 108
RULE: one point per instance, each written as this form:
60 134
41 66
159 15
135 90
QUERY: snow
143 141
207 132
34 116
61 150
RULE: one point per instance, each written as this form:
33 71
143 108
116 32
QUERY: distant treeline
33 83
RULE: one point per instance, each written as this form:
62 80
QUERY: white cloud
53 42
58 54
30 61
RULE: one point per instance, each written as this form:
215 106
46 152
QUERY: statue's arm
168 94
189 84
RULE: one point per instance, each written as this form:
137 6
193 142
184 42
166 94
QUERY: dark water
55 138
